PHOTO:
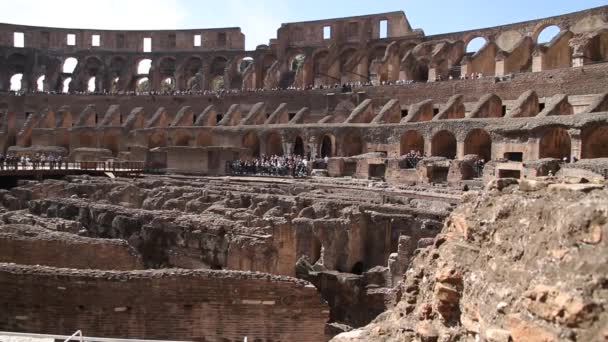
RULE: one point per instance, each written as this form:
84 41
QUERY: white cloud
100 14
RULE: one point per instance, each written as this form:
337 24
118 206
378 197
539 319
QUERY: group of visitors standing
291 165
38 161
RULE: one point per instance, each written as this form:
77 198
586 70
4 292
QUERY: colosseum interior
373 244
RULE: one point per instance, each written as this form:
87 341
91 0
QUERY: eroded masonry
431 167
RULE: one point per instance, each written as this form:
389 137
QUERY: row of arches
542 36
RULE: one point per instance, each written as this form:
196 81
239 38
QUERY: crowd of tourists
412 158
38 161
346 87
284 166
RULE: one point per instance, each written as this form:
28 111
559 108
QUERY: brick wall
30 245
165 304
571 81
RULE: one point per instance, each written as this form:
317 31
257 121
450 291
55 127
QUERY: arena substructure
393 130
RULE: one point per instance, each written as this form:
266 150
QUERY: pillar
576 143
459 150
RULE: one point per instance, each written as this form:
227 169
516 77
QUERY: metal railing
106 166
79 336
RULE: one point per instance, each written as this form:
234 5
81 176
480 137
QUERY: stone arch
474 44
320 67
69 64
298 147
16 82
546 32
166 67
595 142
354 65
189 70
296 61
327 148
252 142
142 85
157 139
378 51
218 66
65 86
40 86
244 63
412 141
92 84
478 142
555 143
144 66
352 144
274 144
167 85
598 47
217 83
444 144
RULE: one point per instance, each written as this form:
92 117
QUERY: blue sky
260 19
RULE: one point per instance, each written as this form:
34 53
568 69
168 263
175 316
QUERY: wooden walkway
93 168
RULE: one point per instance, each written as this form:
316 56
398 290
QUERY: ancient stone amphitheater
371 246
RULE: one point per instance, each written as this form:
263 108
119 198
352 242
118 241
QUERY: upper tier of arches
215 59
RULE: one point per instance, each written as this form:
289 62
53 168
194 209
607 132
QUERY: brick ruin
191 254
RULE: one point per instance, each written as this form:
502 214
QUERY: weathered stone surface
498 271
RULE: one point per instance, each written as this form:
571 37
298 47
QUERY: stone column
576 143
432 74
287 147
537 61
459 150
313 147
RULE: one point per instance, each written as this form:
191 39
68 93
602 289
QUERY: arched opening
328 146
167 85
16 82
298 147
66 85
69 65
352 145
297 61
114 85
595 142
412 142
479 142
547 34
143 67
217 83
143 85
320 68
444 145
274 144
252 142
40 83
244 64
218 67
192 75
91 87
555 143
475 45
357 268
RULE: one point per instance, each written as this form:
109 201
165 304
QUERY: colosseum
353 180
